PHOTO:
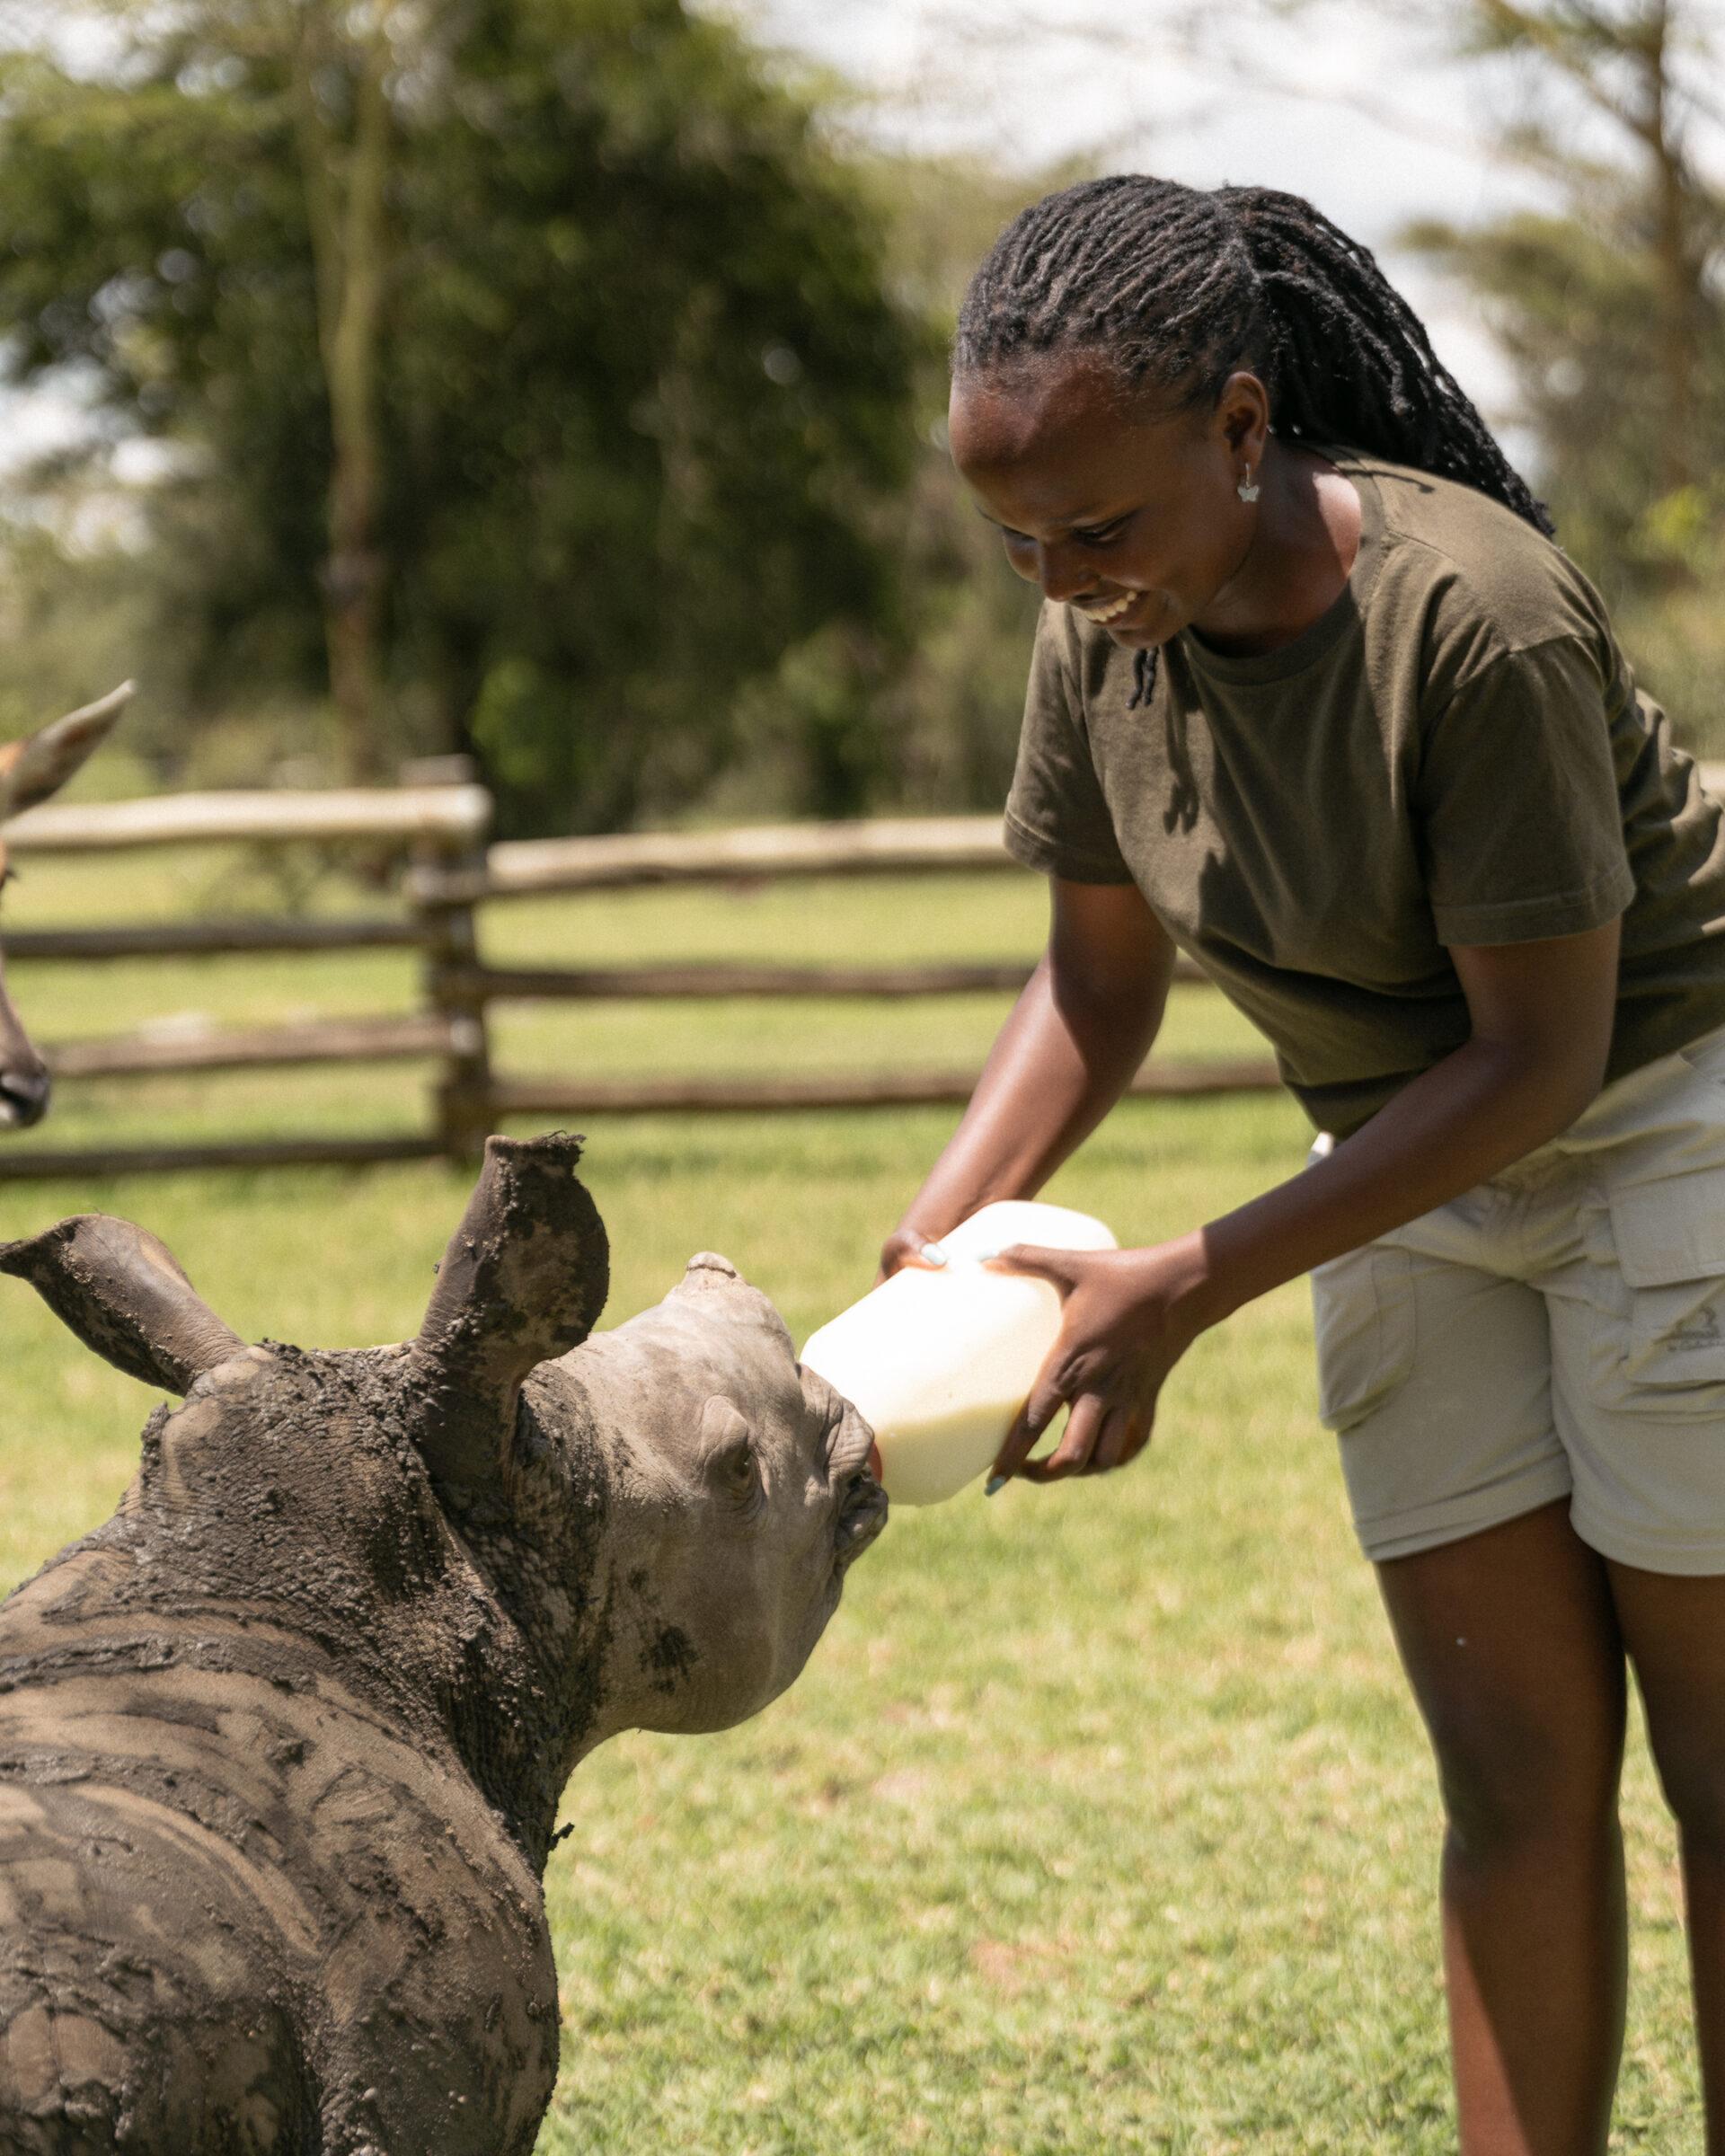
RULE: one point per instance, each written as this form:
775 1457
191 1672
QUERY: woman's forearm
1526 1076
1129 1315
1468 1117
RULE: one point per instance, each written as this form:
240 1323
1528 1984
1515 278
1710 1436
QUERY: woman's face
1108 501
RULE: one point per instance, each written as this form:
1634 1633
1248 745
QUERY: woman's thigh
1510 1641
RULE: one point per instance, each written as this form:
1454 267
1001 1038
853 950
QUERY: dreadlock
1180 287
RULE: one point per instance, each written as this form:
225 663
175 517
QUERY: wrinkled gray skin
282 1745
30 770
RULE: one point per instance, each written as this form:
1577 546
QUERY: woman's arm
1076 1036
1542 1017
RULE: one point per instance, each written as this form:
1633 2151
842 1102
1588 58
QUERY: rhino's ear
123 1295
41 765
523 1279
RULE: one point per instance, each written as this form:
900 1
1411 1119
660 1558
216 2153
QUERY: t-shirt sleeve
1518 804
1056 818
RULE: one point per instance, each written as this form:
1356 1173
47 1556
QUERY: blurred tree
528 364
1646 69
1608 307
340 71
931 723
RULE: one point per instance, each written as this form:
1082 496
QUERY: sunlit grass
1100 1821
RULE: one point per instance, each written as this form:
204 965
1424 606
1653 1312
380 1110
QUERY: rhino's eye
738 1470
732 1463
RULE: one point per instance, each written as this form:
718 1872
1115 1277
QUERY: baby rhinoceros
282 1745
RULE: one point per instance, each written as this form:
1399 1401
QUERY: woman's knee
1512 1645
1512 1778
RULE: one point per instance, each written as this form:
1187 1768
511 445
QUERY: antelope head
30 770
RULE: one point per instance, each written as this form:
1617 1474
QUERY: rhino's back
137 2009
213 1853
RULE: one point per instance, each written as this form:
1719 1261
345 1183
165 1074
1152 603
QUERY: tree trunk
1678 273
345 214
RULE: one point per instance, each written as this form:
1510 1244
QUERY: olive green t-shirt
1454 752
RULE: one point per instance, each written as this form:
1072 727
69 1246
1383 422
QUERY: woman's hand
1128 1316
905 1246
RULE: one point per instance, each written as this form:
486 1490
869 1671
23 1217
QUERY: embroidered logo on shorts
1701 1331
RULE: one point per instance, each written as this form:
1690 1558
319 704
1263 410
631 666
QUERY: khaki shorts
1557 1331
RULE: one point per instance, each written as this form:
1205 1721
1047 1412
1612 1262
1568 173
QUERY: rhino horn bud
524 1280
123 1293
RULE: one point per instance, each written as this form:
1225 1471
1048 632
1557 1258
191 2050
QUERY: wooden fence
453 875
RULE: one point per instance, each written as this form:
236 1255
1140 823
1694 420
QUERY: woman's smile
1103 610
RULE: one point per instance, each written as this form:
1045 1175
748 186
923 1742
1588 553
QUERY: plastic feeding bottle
940 1361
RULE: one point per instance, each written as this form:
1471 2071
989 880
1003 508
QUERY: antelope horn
42 761
124 1295
523 1279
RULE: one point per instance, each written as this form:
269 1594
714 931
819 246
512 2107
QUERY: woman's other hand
906 1246
1128 1318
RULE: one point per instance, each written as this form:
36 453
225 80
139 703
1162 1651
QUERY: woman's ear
1242 415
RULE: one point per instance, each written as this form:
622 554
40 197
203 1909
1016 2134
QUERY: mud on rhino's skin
281 1743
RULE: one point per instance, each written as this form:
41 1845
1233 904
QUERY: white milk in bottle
940 1362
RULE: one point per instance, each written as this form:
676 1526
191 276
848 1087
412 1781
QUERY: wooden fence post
463 1093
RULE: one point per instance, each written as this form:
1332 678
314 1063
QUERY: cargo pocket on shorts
1362 1310
1706 1057
1670 1243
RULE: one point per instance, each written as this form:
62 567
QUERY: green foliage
942 718
1608 309
69 631
1572 300
644 400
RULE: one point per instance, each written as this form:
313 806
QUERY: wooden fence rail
441 815
215 938
890 846
415 1037
452 874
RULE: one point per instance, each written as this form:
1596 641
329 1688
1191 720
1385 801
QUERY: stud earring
1246 490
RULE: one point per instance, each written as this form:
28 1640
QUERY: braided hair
1179 287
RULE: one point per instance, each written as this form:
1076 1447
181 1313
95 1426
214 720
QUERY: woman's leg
1675 1630
1510 1640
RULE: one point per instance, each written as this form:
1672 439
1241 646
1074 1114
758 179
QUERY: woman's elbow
1560 1080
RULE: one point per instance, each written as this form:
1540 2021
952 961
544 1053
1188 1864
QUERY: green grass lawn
1100 1821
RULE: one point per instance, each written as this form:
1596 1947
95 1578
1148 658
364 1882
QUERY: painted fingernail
932 1253
994 1485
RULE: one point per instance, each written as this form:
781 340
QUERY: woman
1315 699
